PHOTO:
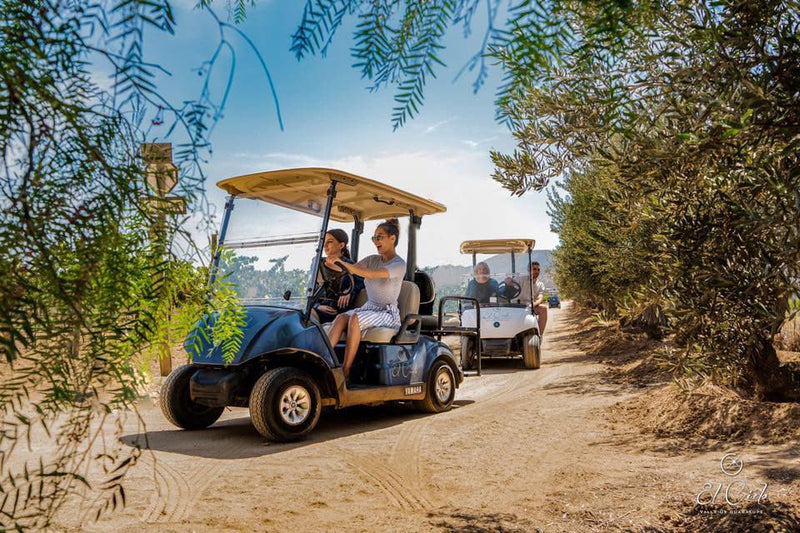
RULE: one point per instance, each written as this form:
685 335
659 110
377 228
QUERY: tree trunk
775 381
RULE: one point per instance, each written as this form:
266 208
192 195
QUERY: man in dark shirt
482 287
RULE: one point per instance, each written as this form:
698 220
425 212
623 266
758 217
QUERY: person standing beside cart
383 275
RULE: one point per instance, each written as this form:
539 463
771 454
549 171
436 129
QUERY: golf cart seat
408 305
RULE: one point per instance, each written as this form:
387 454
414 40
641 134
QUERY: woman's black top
337 280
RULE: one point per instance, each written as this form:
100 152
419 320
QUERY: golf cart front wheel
440 389
285 404
532 351
178 406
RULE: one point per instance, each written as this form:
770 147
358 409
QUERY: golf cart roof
497 246
306 190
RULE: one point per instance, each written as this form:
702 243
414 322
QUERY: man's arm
540 297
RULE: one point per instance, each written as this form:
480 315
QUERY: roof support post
312 279
530 274
355 237
226 218
414 223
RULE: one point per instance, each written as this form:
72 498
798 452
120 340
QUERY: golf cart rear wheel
285 404
467 352
178 406
440 389
531 351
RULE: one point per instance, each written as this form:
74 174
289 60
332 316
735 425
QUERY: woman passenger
383 278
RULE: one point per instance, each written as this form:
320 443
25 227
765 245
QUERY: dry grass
706 412
630 355
710 412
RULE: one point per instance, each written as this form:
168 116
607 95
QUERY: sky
331 119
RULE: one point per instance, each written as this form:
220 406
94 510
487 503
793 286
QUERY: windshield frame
229 206
513 267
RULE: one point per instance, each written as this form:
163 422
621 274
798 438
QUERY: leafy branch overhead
400 43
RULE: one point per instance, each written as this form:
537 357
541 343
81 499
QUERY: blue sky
331 119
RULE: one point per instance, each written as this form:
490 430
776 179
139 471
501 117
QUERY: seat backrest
407 302
427 292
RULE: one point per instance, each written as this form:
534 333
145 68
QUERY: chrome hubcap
295 405
444 386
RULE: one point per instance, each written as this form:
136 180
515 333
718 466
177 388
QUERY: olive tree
696 125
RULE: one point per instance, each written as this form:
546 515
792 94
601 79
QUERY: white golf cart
508 326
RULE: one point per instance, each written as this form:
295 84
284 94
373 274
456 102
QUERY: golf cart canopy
497 246
306 190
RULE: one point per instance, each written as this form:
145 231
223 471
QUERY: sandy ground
520 451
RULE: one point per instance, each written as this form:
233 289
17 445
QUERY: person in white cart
538 306
383 278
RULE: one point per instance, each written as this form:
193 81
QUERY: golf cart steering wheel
509 291
352 282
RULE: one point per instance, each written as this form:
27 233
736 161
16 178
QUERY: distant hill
455 275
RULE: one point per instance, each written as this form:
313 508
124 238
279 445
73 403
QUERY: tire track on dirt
406 457
394 486
406 451
170 500
175 493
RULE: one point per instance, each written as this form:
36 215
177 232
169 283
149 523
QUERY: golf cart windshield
500 273
268 252
491 273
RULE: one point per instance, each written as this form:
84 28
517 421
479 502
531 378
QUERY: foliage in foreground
89 289
682 181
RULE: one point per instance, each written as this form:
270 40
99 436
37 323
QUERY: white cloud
436 126
474 144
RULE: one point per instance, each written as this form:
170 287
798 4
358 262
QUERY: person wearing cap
329 304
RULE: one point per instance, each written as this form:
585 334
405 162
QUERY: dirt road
521 451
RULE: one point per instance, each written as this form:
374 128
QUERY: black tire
531 351
434 402
270 413
178 406
467 352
